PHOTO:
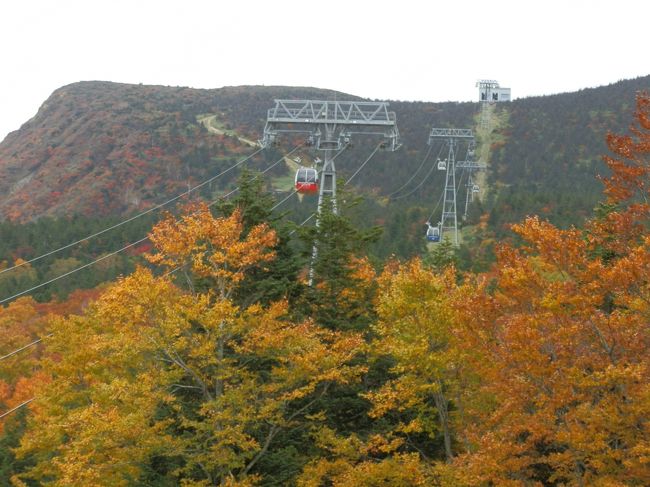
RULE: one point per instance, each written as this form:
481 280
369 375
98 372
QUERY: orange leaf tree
559 335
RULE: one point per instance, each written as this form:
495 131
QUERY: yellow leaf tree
415 329
182 375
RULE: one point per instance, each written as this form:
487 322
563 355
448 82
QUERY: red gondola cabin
307 180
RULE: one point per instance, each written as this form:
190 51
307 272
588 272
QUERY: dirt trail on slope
209 122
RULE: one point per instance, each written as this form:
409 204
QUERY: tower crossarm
334 112
317 117
470 165
450 133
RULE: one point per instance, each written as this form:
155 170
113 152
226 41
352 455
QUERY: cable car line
134 217
146 238
424 180
258 175
414 174
168 273
363 164
104 257
39 340
6 413
346 182
436 207
11 354
2 415
35 342
126 247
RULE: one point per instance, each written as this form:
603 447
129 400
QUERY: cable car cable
11 354
363 164
414 174
285 199
433 166
153 208
39 340
258 175
6 413
35 342
436 207
126 247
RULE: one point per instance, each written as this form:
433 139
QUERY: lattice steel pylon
470 165
449 220
329 126
469 195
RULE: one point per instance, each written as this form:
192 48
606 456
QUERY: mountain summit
101 148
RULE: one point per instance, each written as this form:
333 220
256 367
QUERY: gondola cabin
307 180
475 188
442 165
433 233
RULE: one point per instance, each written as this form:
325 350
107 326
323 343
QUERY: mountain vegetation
222 350
97 150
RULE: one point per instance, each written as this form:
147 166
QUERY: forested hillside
98 151
221 361
551 152
99 148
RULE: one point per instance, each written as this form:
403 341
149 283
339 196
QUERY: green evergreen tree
338 242
13 430
442 255
279 279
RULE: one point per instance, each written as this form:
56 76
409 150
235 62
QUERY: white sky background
401 50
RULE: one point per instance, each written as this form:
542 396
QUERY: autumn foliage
154 360
534 373
560 341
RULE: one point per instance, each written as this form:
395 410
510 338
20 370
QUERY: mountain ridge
105 148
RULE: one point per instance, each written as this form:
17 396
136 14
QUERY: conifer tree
342 278
279 278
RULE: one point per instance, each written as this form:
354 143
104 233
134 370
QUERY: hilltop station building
490 91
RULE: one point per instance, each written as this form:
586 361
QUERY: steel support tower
449 220
470 165
329 126
469 195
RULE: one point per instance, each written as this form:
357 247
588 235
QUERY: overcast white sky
404 49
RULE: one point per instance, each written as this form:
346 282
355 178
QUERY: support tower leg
327 189
449 221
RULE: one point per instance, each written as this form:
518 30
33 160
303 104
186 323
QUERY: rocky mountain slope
100 148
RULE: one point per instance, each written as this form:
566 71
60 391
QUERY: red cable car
307 180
